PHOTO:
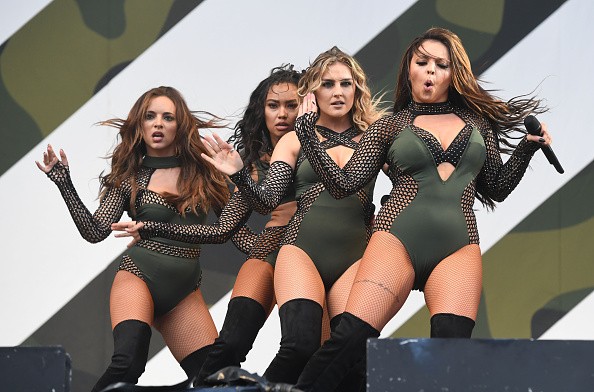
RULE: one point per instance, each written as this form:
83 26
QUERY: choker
430 108
161 162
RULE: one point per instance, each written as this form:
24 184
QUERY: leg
250 304
384 280
188 331
131 310
453 293
300 295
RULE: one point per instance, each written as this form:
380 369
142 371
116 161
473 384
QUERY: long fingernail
541 140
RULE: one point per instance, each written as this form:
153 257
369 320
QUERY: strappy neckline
419 108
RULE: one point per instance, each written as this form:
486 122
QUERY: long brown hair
199 183
365 109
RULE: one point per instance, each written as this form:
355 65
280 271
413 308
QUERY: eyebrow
340 80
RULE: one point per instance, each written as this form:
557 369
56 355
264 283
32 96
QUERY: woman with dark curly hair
159 177
443 145
270 114
326 237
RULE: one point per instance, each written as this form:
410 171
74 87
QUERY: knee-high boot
339 354
448 325
301 329
131 340
244 319
194 361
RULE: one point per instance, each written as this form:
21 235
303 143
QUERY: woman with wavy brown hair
326 237
443 145
159 177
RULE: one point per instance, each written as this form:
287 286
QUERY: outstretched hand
50 159
544 138
222 155
128 229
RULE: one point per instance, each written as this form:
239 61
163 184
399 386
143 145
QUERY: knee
448 325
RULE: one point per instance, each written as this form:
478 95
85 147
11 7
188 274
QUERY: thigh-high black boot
194 361
355 379
448 325
131 340
339 354
244 319
301 329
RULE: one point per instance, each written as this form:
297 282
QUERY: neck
430 108
337 124
161 162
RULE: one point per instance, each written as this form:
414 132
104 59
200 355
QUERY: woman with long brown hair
443 145
159 177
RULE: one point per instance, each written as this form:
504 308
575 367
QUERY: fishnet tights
185 329
255 280
455 284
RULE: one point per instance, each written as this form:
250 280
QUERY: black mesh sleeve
244 239
365 163
232 218
267 196
92 227
498 179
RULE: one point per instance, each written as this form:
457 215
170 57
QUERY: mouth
337 103
429 84
283 126
157 136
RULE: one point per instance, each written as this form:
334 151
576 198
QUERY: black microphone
533 127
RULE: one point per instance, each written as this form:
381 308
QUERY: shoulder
287 149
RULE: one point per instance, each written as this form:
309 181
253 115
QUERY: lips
282 126
157 136
337 103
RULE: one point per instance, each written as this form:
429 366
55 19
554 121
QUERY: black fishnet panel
333 139
454 151
146 196
338 294
296 276
128 265
383 282
366 161
97 226
255 280
455 284
130 299
267 195
267 242
404 190
305 201
496 179
244 239
233 216
169 250
187 327
467 204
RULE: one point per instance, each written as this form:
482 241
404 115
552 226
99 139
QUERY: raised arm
92 227
498 179
365 163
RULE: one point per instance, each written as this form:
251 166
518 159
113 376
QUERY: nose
431 67
282 113
158 122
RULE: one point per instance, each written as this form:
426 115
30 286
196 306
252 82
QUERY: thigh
130 299
296 276
188 326
338 294
255 280
383 282
455 284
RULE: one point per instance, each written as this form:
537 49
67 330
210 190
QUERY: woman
270 114
326 237
157 175
443 147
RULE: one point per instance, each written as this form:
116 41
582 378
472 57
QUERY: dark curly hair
251 137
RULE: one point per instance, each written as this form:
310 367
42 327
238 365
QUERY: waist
170 249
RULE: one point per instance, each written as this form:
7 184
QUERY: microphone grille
532 125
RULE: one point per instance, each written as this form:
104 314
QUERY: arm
366 161
244 239
92 227
497 179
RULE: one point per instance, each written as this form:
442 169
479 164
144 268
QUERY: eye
169 118
327 83
149 116
273 105
421 62
292 105
443 66
346 83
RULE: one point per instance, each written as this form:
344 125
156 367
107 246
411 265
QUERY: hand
545 137
130 229
308 105
50 159
222 155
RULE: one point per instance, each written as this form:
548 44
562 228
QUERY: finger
209 148
213 144
40 166
50 153
222 144
121 235
63 158
209 159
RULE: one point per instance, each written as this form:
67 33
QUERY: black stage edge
35 369
465 365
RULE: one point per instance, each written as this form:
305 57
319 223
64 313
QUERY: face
159 127
336 95
280 110
430 73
